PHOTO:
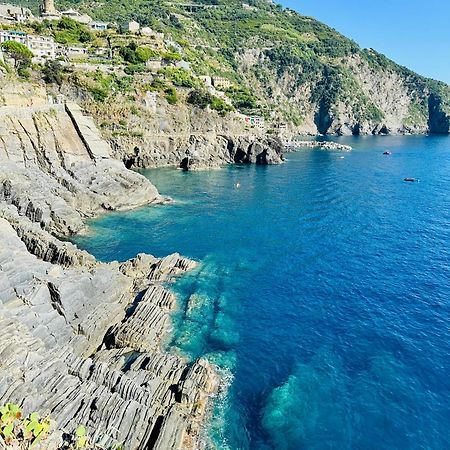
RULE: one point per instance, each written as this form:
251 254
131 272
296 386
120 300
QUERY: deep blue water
324 292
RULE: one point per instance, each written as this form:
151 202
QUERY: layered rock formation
50 173
81 340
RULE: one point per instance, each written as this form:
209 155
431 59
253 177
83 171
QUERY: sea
322 292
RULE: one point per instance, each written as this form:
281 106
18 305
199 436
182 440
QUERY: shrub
98 93
135 68
199 98
17 431
178 76
171 95
52 72
145 53
203 99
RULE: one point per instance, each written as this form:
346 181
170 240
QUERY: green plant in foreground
22 433
82 440
26 433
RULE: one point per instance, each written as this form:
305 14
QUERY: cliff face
80 341
169 135
352 96
56 170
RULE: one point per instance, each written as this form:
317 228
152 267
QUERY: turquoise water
323 293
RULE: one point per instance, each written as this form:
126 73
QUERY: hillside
287 67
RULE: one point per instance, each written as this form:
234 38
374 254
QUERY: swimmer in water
238 185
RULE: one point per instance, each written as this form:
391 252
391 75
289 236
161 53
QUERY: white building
207 81
77 16
133 26
147 31
75 52
101 51
99 26
41 46
17 36
14 14
256 121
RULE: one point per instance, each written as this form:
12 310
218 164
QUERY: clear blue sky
414 33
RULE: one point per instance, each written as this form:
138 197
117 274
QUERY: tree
52 72
199 98
21 54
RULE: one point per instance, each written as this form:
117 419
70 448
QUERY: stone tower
48 7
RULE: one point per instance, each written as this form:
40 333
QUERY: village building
41 46
147 31
256 121
77 16
221 83
207 81
98 26
101 51
75 52
281 127
133 26
17 36
14 14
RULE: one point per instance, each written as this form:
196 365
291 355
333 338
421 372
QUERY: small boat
387 152
410 180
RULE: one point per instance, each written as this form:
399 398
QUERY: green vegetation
417 114
102 86
52 72
179 77
68 31
242 98
19 52
21 432
203 99
171 95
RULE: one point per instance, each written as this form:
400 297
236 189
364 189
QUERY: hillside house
17 36
77 16
14 14
133 27
256 121
221 83
98 26
42 46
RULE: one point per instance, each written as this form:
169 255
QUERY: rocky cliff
180 136
80 341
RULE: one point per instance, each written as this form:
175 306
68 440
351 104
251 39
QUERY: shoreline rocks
263 150
81 340
293 145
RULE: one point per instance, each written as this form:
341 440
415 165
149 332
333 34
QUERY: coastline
81 340
88 334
